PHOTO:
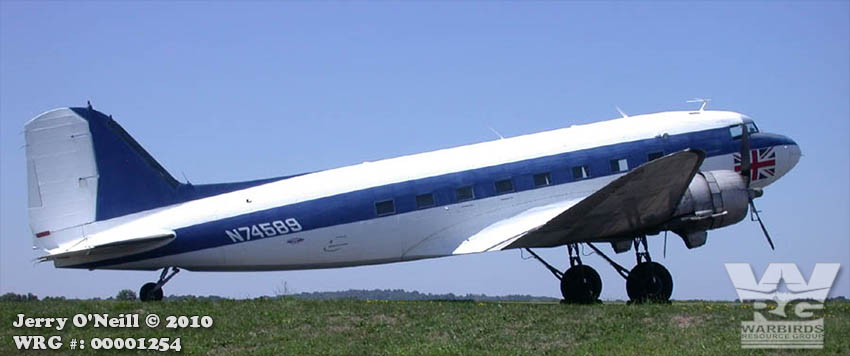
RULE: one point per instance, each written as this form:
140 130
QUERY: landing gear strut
648 281
153 291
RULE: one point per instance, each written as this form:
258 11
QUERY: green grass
298 327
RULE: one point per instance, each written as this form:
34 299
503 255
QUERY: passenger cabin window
542 179
464 194
385 207
425 201
581 172
619 165
735 131
504 186
654 155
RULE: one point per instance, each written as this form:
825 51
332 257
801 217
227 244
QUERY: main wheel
149 292
649 281
581 284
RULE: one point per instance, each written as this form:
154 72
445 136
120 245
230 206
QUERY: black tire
649 282
149 292
581 284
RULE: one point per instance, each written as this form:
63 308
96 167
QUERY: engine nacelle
714 199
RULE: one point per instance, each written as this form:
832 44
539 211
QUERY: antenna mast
700 100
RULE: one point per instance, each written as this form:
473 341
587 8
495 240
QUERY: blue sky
226 92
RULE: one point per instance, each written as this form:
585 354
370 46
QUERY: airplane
98 200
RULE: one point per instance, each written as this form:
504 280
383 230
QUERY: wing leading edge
639 201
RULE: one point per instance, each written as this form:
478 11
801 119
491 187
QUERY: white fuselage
425 233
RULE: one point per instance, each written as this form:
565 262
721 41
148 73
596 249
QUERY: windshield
735 131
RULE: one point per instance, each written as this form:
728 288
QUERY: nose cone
794 154
788 155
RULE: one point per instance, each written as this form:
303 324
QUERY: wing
497 236
638 201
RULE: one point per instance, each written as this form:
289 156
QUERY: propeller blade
766 235
745 153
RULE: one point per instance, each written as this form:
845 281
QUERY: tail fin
83 167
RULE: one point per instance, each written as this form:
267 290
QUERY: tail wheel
149 292
581 284
649 281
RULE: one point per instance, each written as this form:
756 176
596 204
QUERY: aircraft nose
794 153
787 155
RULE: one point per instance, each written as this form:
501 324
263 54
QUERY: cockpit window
735 131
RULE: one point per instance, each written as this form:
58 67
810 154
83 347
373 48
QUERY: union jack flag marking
762 163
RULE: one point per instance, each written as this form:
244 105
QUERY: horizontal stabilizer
105 247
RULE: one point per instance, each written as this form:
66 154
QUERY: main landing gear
153 291
580 283
647 282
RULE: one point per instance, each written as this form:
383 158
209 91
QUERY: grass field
297 327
